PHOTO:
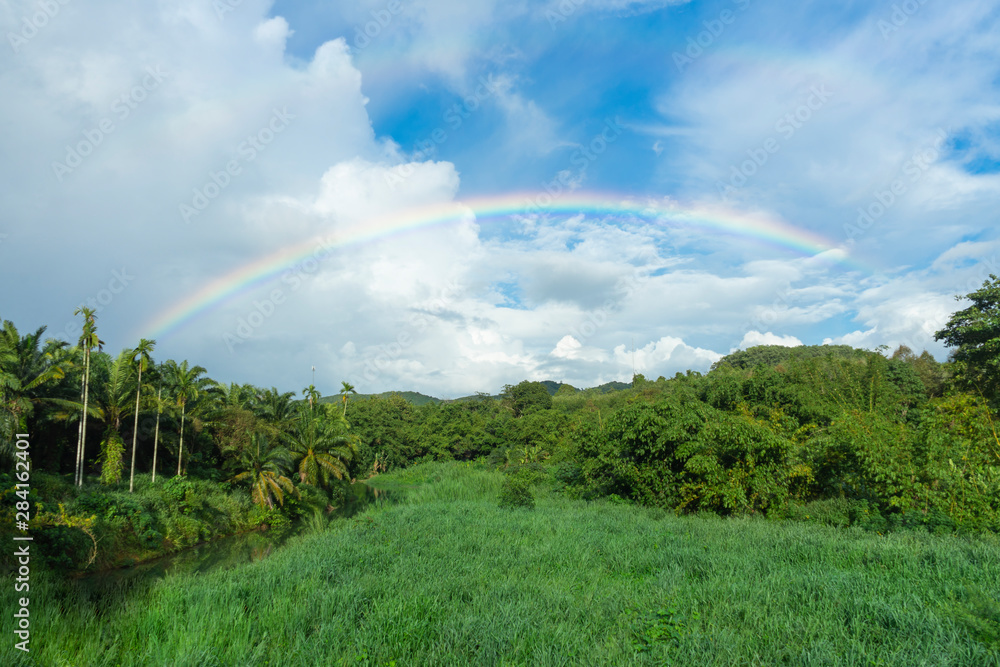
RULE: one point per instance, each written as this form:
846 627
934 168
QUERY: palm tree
321 448
113 402
265 467
140 353
312 394
345 389
156 435
276 410
235 415
25 369
188 384
88 341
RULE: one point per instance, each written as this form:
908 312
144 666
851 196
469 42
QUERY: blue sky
874 125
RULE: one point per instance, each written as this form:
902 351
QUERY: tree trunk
86 398
180 449
156 436
135 429
79 437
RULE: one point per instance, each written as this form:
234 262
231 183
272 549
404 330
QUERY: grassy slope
446 577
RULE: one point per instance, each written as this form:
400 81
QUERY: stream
105 587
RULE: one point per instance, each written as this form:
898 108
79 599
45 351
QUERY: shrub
516 492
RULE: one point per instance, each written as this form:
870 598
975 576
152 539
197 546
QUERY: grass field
446 577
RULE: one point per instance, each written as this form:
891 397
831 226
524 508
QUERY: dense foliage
818 433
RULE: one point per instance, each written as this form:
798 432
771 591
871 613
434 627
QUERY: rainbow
760 228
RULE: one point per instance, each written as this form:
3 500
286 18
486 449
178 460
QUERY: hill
414 397
772 355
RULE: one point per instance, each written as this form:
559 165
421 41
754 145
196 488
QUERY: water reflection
112 586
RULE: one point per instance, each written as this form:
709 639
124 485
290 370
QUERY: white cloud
753 338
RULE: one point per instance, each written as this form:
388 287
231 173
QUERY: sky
447 197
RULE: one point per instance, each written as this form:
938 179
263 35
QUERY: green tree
975 334
88 341
265 467
345 389
113 403
27 370
140 356
321 447
526 397
188 384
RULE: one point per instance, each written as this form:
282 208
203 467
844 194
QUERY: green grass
447 577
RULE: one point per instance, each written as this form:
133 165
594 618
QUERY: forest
118 459
144 457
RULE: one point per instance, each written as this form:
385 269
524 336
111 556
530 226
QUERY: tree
975 335
114 400
345 389
26 370
156 435
264 467
526 397
88 341
188 384
321 447
140 356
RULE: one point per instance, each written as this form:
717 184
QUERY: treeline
145 456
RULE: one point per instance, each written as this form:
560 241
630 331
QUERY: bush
516 492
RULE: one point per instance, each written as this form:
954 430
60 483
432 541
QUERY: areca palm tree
88 341
265 466
140 356
321 448
345 389
188 384
311 394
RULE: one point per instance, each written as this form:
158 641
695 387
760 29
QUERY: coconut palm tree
88 341
140 356
264 467
188 384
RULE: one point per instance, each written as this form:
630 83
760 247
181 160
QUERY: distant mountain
608 387
416 398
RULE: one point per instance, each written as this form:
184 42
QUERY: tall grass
447 577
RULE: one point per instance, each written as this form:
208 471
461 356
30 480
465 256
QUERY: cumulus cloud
753 338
